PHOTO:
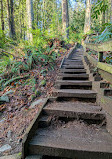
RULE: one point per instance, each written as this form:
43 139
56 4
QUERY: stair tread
74 66
73 106
74 82
72 137
75 110
34 157
72 70
74 75
78 93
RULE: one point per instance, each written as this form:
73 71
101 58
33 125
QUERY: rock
4 99
5 148
36 103
10 140
9 133
2 120
20 140
8 92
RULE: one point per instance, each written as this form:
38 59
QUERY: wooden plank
74 82
34 157
105 67
77 110
30 130
76 93
73 70
100 65
71 51
106 46
73 140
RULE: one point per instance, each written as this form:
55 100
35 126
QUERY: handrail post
100 56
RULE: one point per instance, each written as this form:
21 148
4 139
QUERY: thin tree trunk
103 15
111 13
30 18
87 25
106 16
11 19
103 18
44 16
65 18
2 16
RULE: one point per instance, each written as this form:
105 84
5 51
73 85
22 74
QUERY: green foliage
105 35
100 7
108 59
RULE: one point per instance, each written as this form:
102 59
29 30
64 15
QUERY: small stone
10 140
9 133
4 99
5 148
2 120
36 103
20 140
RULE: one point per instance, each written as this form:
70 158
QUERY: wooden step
72 140
34 157
75 83
66 76
44 121
73 63
76 93
74 67
76 58
77 110
70 60
73 70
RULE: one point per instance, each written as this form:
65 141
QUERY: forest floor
17 114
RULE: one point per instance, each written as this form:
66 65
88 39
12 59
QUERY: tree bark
87 25
11 19
65 18
30 19
111 13
2 16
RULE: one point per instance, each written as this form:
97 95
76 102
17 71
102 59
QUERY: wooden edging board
69 54
103 66
104 69
31 130
105 46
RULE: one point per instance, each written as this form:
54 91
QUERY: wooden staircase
72 125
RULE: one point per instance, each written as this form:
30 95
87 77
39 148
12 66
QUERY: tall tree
2 16
87 25
11 18
111 11
65 18
30 18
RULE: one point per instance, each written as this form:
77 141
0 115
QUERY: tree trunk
103 15
87 25
2 16
111 13
30 18
11 19
65 18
